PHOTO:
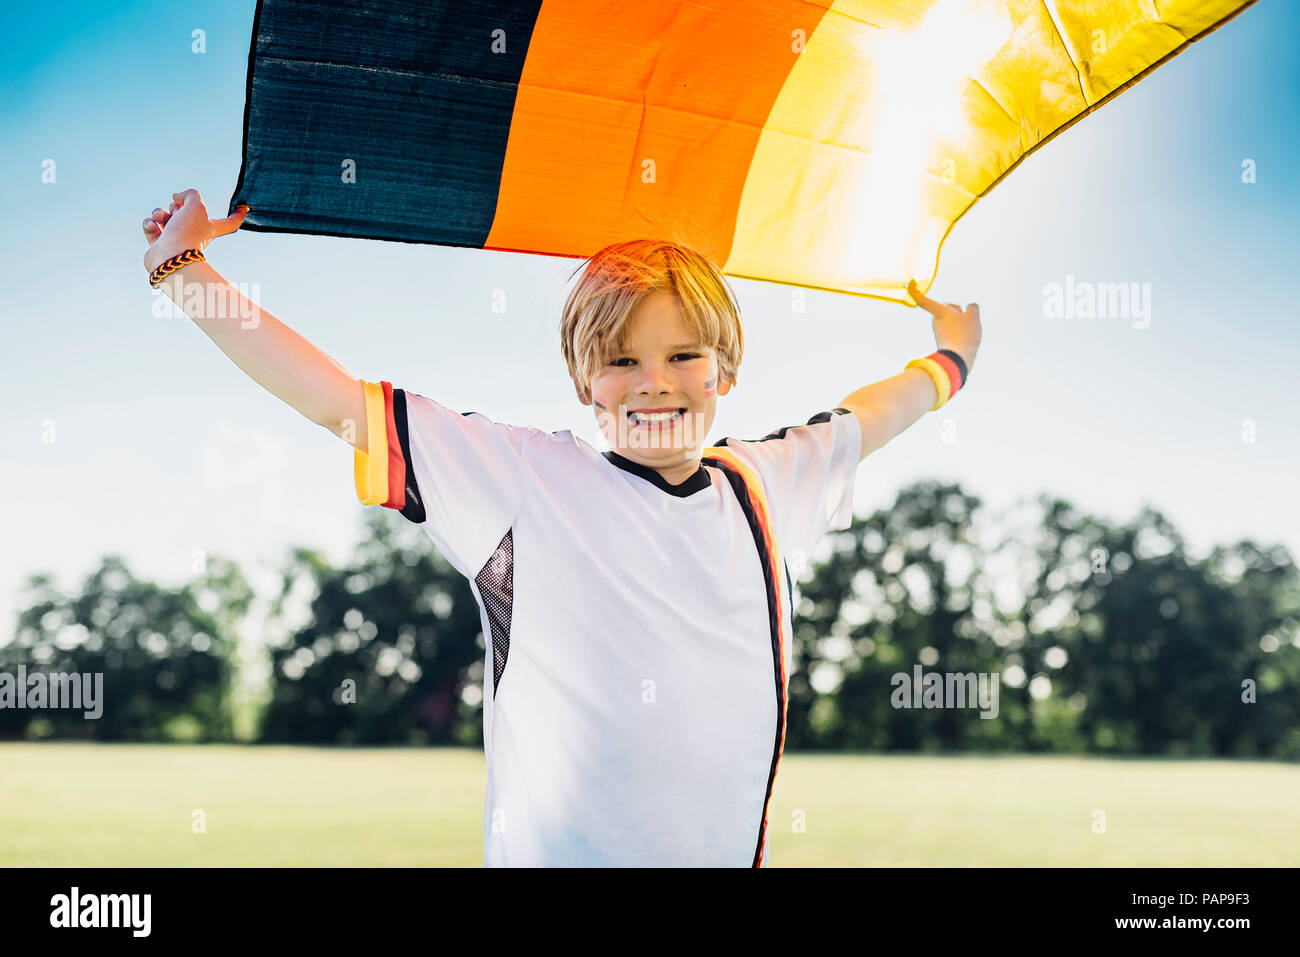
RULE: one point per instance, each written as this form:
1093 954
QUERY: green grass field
132 805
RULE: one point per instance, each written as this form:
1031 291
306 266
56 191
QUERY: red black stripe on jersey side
412 508
742 493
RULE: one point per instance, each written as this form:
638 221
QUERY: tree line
1095 637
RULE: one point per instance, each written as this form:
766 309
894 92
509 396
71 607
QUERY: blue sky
162 446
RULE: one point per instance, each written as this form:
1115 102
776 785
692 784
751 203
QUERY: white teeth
654 416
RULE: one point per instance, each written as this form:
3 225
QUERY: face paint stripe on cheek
604 416
710 387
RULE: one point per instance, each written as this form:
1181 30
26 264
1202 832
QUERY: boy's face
662 367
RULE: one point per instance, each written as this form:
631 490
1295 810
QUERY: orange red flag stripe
648 132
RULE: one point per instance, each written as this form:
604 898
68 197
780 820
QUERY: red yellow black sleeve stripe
380 471
370 468
383 473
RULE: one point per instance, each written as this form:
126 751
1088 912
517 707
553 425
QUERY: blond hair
593 323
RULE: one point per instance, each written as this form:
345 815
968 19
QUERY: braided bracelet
175 263
946 368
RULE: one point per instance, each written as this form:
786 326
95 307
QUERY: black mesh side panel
496 583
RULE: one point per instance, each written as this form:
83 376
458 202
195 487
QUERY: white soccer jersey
638 633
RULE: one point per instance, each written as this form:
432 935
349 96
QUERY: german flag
824 144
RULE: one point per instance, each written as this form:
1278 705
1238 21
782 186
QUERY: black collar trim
697 482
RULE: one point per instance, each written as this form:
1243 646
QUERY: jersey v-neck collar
697 482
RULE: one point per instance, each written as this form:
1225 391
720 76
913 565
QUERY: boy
635 604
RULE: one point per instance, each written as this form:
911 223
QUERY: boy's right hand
184 225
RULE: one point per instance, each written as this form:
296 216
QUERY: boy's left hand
954 328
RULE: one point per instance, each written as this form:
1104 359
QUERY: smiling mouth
655 419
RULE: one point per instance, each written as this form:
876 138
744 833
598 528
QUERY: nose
654 379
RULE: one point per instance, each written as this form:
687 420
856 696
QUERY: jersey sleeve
808 473
459 475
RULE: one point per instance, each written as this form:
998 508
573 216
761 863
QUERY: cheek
606 392
604 399
711 378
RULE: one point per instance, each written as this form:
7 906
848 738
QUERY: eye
618 362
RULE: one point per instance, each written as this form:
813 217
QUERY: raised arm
887 408
273 355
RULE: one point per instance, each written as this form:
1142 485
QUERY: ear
725 387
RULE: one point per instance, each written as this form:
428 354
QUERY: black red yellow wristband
947 369
176 262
